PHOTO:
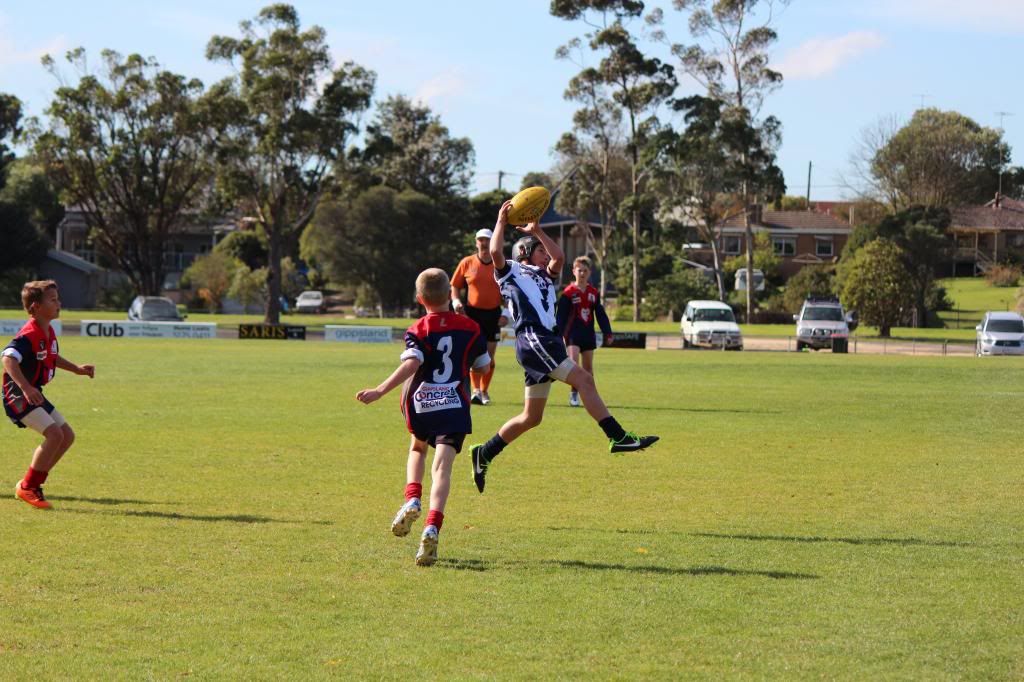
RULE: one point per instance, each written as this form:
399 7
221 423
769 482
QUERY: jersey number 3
445 346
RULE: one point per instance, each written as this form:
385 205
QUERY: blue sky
488 67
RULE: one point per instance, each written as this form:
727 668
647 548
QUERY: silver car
822 323
154 309
1000 334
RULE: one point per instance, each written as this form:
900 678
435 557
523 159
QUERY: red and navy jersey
435 401
577 310
36 352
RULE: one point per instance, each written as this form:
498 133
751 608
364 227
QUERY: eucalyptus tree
729 59
133 147
293 116
625 77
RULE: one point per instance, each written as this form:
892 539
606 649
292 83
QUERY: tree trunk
273 310
718 270
750 252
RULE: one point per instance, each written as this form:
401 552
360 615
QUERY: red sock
413 490
33 478
435 518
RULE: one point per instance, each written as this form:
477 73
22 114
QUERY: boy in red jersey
30 361
440 350
578 306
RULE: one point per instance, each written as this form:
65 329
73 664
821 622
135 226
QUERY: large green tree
701 171
636 83
293 116
132 147
920 232
381 238
408 147
877 284
729 58
10 129
939 158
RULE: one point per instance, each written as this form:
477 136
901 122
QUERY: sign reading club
152 330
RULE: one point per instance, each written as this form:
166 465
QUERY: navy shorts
585 338
454 439
539 353
488 320
20 407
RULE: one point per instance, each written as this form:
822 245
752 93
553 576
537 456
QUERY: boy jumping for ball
30 361
528 284
440 349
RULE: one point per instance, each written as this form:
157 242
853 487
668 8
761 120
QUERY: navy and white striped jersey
530 293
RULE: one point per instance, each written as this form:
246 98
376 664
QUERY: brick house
987 234
799 238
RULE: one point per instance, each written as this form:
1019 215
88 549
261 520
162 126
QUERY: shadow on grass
711 410
481 566
109 501
214 518
906 542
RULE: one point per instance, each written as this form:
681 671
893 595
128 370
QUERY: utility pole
1001 115
809 165
922 96
501 174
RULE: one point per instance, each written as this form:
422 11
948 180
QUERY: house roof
73 261
553 218
1006 215
797 222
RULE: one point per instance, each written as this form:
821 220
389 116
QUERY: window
784 246
731 245
823 247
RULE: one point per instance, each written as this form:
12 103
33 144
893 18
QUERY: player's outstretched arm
397 378
68 366
497 247
550 245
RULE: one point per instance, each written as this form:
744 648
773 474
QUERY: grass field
972 297
225 514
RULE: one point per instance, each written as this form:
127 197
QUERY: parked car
822 323
710 324
154 309
1000 334
740 284
311 302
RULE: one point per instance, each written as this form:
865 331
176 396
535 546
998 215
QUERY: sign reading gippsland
357 334
12 327
153 330
272 331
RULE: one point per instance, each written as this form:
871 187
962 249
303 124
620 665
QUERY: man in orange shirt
475 274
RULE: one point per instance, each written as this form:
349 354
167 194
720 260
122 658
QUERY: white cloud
440 87
821 56
12 54
987 16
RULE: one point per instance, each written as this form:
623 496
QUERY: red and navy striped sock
435 519
413 490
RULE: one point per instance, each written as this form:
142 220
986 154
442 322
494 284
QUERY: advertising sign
357 334
11 327
625 340
149 330
272 331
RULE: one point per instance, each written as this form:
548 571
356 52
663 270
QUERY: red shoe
33 496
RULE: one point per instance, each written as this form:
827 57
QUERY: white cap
484 234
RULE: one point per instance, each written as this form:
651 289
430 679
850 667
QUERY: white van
710 324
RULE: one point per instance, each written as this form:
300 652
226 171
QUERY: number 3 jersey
435 400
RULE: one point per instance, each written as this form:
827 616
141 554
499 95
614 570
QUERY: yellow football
529 205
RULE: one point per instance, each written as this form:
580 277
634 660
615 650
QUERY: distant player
475 274
440 349
30 361
578 306
528 284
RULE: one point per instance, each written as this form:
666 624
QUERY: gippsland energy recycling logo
433 397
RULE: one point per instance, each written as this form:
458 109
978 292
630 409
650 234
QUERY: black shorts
488 319
539 353
454 439
582 337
